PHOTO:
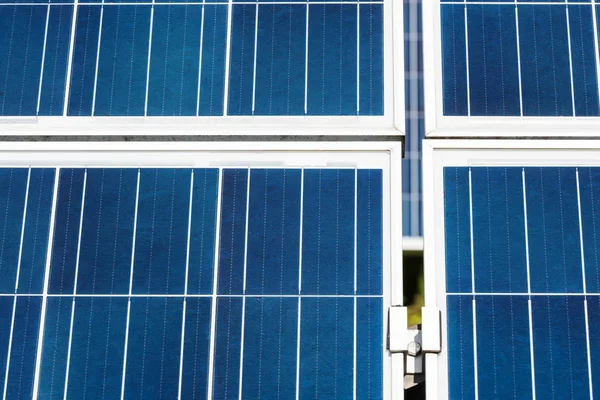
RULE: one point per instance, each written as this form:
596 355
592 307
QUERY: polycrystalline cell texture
34 44
172 60
535 297
147 232
530 59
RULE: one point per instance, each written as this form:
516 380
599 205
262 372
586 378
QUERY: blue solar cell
461 368
454 60
202 231
457 230
493 67
6 309
22 45
22 357
498 230
194 379
154 332
369 232
559 342
325 362
85 53
173 80
66 231
585 82
371 60
212 64
328 232
553 230
123 60
280 59
369 346
98 338
12 204
241 79
107 231
589 180
269 361
55 61
228 337
161 235
273 232
56 347
593 305
37 226
233 231
544 60
503 363
332 59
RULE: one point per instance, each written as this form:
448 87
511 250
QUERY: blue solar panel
158 59
523 58
521 281
412 205
126 305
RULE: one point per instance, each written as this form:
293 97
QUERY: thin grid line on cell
227 56
69 60
40 341
474 307
583 278
135 216
241 374
213 321
100 23
570 59
37 109
518 59
306 59
354 322
12 323
148 60
75 281
185 285
254 57
529 294
299 284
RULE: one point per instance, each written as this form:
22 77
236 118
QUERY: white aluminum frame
438 154
391 123
384 155
440 126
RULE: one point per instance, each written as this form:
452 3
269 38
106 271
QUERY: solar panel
184 283
415 116
521 281
519 58
191 59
